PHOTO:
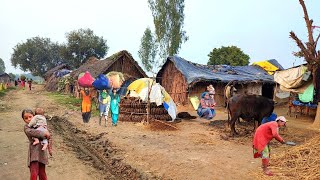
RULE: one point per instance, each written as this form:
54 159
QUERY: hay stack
300 162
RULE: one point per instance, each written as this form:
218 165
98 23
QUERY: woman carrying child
37 158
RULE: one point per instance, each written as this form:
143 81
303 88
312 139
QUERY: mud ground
190 149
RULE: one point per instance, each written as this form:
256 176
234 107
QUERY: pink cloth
264 134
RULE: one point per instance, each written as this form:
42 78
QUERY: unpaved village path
129 151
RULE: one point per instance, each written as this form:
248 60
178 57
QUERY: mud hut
52 77
5 78
122 62
183 79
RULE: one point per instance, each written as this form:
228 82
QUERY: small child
104 105
39 122
211 89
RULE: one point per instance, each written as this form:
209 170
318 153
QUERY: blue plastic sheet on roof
62 72
195 72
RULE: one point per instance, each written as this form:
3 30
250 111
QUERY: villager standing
263 135
86 104
104 105
23 83
30 83
114 106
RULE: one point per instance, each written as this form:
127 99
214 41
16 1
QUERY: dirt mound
95 150
157 125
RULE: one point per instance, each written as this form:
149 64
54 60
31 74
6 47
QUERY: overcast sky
259 27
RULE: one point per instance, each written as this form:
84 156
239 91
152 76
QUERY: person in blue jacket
272 117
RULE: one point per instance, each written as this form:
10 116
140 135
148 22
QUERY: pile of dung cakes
134 110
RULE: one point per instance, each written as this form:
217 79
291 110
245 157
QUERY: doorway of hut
267 90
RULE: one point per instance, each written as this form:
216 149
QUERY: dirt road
197 150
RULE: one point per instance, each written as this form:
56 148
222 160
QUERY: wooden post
148 103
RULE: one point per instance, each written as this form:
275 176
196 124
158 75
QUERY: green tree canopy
2 66
148 51
82 44
168 18
37 55
230 55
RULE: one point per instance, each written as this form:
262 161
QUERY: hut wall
250 88
126 67
5 79
175 84
200 87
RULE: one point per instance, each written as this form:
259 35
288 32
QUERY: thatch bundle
300 162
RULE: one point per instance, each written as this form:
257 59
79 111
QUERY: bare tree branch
308 21
304 50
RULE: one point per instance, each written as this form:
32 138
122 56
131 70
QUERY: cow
248 107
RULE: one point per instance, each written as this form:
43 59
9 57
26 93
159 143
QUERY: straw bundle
300 162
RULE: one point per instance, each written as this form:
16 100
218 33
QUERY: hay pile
300 162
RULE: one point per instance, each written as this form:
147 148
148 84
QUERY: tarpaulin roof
194 72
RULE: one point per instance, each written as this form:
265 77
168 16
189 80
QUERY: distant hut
122 62
183 79
5 78
53 76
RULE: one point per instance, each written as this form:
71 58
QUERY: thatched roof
49 73
96 67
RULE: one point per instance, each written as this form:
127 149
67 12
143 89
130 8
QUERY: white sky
259 27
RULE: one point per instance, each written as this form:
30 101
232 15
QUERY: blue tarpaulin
62 72
194 72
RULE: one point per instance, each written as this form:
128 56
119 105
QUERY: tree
230 55
2 66
82 44
37 55
148 51
168 18
311 55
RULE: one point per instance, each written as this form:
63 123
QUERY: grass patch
71 102
4 92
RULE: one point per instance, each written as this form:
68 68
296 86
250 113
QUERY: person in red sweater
263 135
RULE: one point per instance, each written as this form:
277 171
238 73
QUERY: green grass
71 102
4 92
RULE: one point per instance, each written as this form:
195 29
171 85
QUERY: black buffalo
248 107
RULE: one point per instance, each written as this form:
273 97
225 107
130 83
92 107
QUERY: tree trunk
316 122
316 77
